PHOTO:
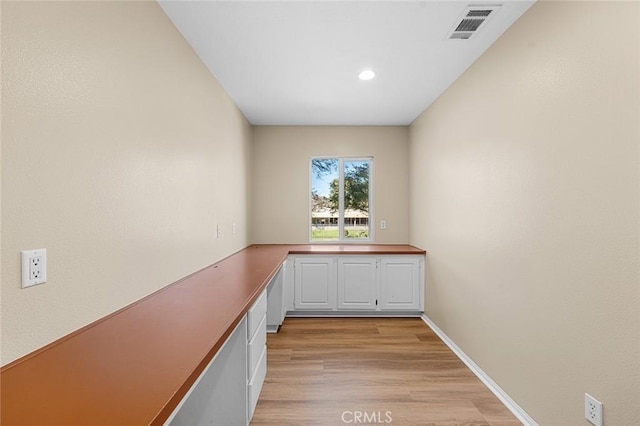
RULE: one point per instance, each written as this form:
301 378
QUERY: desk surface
134 366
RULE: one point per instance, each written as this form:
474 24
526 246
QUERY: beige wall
525 193
120 154
280 210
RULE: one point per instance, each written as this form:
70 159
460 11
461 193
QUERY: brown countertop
365 249
134 366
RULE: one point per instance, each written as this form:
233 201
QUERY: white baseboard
484 377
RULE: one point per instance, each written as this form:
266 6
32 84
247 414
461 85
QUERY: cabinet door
357 283
400 283
315 283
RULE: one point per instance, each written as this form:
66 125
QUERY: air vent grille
469 25
479 13
473 20
461 36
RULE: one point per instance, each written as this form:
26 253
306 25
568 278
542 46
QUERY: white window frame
341 239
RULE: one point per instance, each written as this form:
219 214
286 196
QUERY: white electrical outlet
233 228
593 410
219 231
34 267
383 224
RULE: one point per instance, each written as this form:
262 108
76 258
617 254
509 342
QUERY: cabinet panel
219 395
288 279
315 283
400 283
275 301
357 283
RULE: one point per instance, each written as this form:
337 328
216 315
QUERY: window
341 199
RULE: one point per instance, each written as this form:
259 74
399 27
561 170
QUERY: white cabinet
227 391
288 278
256 350
315 283
219 395
357 283
400 283
276 309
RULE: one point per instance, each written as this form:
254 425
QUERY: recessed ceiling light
366 75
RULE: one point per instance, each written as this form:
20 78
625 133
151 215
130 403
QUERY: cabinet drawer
255 385
256 346
256 313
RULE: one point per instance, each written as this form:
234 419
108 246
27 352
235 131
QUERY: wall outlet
383 224
233 228
34 267
219 231
593 410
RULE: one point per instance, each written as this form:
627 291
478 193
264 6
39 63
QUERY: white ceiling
297 62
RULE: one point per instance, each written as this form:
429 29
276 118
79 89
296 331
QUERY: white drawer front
256 313
256 346
255 385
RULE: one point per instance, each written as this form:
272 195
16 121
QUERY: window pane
356 199
324 199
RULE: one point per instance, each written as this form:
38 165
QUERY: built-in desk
134 367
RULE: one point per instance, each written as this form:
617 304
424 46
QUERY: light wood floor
324 371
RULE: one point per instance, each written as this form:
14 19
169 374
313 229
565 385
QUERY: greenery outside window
341 200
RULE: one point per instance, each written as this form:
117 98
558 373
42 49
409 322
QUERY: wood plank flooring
337 371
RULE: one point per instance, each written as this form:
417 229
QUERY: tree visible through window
340 199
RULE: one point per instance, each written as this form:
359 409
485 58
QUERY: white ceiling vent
472 20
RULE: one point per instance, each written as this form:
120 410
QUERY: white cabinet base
276 308
343 285
219 396
256 351
355 314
